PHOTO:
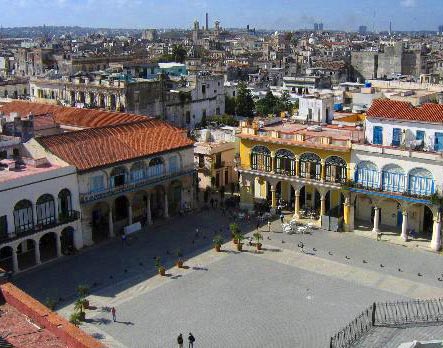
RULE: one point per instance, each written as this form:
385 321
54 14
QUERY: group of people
191 340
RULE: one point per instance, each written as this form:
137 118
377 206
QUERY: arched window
285 162
261 159
310 166
421 182
336 169
23 216
64 202
137 171
367 175
393 178
156 167
118 176
45 210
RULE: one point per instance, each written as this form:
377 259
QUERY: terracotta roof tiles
96 147
385 108
83 118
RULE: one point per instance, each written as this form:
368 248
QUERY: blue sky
278 14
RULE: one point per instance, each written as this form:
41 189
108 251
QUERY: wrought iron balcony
134 184
29 229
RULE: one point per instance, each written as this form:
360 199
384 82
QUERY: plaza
282 297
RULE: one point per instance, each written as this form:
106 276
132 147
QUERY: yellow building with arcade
300 166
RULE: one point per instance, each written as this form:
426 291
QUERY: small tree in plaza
258 237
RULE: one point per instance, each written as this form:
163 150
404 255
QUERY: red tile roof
22 333
96 147
400 110
84 118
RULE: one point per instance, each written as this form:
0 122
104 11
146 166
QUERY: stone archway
158 201
175 197
121 207
100 222
26 254
67 240
48 246
6 262
139 207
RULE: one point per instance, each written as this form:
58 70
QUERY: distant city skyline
346 15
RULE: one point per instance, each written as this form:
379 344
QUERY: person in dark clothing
282 218
180 341
114 317
191 340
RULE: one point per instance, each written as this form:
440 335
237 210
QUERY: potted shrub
179 262
79 308
160 268
75 318
218 241
83 292
235 230
239 238
258 237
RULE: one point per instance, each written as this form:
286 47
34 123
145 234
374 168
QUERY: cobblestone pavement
275 299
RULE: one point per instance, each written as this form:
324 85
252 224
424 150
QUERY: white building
316 108
39 205
398 170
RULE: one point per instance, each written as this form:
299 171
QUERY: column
56 213
323 171
273 163
111 224
58 245
273 197
148 210
404 226
14 260
297 166
37 252
376 228
297 205
436 233
346 213
34 213
322 205
129 214
166 205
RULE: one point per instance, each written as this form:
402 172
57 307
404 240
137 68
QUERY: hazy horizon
344 15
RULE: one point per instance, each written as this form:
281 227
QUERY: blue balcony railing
133 184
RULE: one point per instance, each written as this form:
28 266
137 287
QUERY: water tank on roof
368 84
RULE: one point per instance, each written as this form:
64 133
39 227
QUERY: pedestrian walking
123 239
269 226
212 202
114 317
258 224
282 218
180 341
191 340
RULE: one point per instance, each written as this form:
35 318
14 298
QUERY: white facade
408 132
35 202
316 109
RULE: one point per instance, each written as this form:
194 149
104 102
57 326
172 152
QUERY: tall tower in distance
207 21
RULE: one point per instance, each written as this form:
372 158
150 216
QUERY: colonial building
303 166
214 157
134 172
398 170
39 205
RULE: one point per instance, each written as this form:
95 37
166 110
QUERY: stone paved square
280 298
